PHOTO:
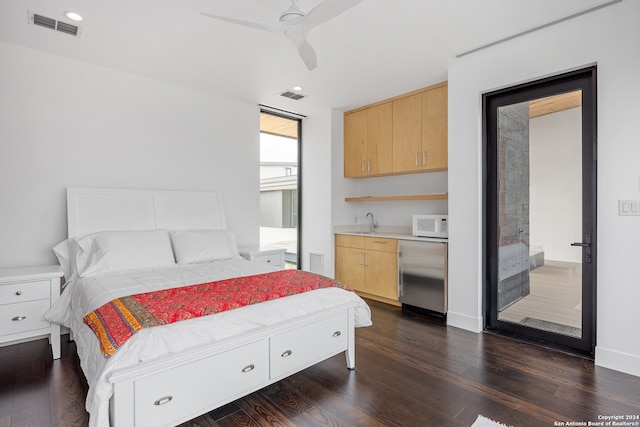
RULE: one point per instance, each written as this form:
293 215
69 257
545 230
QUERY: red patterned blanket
116 321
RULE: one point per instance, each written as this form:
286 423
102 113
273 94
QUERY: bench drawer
307 345
197 386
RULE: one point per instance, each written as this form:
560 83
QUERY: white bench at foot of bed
178 387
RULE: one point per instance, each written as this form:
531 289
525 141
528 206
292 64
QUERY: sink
362 232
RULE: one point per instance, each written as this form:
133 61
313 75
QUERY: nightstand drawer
22 317
275 260
25 291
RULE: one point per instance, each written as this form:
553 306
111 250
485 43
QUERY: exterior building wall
513 209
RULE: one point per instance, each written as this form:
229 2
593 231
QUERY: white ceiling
377 49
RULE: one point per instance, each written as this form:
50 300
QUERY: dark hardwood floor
411 371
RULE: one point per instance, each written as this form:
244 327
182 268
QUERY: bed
168 374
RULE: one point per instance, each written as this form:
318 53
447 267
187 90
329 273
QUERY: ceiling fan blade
251 24
308 55
327 10
305 50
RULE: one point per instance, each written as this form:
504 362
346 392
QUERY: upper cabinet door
355 135
379 159
435 129
407 134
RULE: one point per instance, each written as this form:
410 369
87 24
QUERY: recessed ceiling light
73 16
297 88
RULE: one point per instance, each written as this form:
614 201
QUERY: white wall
555 195
70 123
606 37
316 189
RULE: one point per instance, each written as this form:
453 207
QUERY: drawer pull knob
18 318
163 400
268 260
337 333
286 353
248 368
18 292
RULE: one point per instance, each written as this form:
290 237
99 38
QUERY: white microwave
430 226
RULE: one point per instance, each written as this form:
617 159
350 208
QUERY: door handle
587 245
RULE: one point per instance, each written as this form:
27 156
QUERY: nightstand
25 294
265 254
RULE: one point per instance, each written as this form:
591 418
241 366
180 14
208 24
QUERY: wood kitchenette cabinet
367 142
368 265
420 131
405 134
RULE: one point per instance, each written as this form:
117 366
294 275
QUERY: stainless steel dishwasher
422 271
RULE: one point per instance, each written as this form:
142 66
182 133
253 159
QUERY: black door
540 210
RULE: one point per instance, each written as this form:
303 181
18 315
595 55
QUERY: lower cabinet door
350 267
381 274
166 398
302 347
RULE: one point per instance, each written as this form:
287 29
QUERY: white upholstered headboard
90 210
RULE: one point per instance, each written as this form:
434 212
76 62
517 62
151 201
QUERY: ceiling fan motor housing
292 13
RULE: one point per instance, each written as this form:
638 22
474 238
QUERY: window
279 182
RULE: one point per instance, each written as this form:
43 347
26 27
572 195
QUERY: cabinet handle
361 258
286 353
362 165
18 293
366 260
163 400
369 165
18 318
416 159
248 368
337 334
424 158
380 242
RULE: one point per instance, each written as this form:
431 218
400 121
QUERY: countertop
390 232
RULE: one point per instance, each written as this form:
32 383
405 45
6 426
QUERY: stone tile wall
513 203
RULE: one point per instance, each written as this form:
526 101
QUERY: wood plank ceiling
553 104
276 125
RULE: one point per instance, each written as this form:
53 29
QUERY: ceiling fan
295 24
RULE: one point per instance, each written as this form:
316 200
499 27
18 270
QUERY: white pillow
122 250
197 246
65 254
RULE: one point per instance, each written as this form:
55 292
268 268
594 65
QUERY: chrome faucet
373 224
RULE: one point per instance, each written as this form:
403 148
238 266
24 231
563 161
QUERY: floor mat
486 422
557 328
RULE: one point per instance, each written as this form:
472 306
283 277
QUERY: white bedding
85 295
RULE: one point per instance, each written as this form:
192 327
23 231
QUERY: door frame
583 79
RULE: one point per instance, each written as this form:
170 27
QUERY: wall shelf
439 196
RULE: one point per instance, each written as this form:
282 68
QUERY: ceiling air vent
292 95
43 21
52 24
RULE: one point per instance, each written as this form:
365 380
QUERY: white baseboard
619 361
462 321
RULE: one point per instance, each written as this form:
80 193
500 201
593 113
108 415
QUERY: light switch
629 207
